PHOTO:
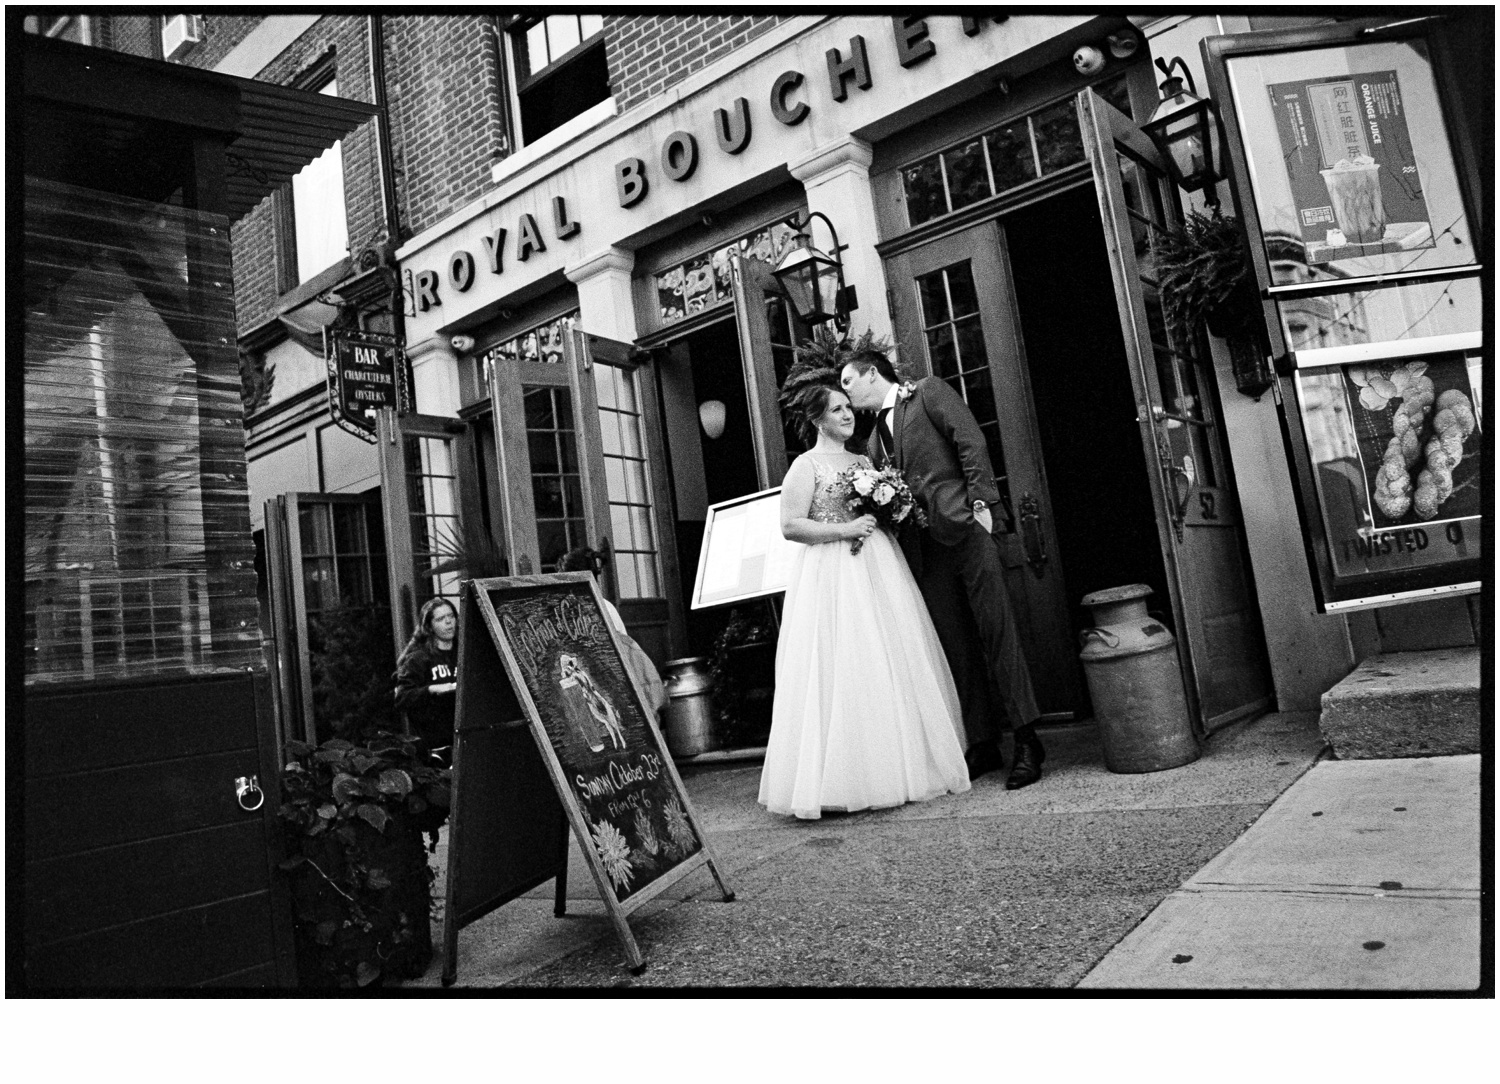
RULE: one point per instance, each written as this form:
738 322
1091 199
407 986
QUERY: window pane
539 408
1058 141
543 448
961 289
348 528
569 444
536 48
924 191
1010 156
971 351
562 34
546 492
940 350
625 574
609 431
321 228
592 24
968 180
933 295
645 540
604 385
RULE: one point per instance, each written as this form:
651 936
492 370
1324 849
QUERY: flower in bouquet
881 493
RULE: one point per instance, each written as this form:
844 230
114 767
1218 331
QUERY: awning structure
127 124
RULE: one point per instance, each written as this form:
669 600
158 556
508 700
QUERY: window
1015 153
560 70
314 226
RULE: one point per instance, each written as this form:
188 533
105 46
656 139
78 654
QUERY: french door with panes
769 332
1220 642
578 447
955 315
432 510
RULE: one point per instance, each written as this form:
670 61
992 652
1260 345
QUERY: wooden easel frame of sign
553 662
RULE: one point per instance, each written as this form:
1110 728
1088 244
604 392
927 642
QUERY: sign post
553 664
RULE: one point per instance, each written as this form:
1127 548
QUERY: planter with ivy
354 818
743 673
1203 269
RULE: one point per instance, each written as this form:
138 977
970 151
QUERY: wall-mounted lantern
814 281
1185 129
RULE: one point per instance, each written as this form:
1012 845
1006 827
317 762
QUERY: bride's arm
796 501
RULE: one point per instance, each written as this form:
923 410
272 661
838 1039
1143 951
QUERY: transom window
319 226
542 345
704 281
1016 153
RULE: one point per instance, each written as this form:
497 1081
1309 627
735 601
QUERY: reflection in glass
968 179
924 191
1413 311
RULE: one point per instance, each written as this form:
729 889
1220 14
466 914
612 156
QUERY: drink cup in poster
1354 189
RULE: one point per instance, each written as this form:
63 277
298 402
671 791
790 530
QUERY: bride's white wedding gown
866 714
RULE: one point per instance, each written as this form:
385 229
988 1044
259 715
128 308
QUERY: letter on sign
840 70
461 270
494 248
787 115
630 179
732 126
679 156
565 226
912 43
528 238
427 286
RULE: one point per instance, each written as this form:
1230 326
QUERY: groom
928 432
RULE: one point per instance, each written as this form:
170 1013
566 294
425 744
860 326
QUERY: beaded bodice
829 495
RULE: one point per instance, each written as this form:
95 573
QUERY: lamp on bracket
813 280
1185 129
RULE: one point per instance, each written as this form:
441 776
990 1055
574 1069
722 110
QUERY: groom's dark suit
938 446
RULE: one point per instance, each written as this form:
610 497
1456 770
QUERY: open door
431 493
625 497
1219 641
769 331
955 315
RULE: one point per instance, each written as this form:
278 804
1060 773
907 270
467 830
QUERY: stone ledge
1406 704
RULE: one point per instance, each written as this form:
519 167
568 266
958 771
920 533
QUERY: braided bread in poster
1451 425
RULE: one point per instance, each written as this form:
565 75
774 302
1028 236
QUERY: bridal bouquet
883 494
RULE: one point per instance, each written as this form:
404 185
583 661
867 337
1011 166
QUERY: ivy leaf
366 973
299 748
345 787
378 879
328 811
374 816
395 781
292 862
324 931
346 834
338 743
362 763
329 756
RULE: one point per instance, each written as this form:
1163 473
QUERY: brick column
606 306
837 179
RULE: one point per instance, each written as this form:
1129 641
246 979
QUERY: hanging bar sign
365 372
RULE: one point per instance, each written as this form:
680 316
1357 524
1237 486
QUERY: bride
866 714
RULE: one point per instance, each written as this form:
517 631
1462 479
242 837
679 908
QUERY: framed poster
1359 195
608 761
744 553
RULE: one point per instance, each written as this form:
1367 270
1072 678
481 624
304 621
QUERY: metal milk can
1130 660
689 710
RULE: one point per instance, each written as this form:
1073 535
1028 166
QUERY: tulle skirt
866 714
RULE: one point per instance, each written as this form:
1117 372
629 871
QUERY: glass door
1219 638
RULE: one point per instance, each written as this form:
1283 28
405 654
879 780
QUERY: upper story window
560 70
79 28
317 237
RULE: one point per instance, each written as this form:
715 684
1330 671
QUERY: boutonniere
906 391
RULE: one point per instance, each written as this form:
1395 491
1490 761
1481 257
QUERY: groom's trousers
964 588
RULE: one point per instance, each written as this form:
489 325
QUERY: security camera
462 343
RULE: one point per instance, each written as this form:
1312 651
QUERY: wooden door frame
752 278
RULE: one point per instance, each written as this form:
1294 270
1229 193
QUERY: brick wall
139 35
649 53
446 113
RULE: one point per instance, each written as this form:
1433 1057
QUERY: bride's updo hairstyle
805 394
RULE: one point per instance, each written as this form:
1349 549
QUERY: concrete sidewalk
1364 875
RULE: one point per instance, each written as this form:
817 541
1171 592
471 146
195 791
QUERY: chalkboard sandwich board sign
601 746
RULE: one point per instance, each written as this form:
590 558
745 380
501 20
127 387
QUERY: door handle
1032 538
248 793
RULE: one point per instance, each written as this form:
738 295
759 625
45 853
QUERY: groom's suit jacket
938 446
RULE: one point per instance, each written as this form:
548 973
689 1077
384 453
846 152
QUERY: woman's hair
421 636
805 397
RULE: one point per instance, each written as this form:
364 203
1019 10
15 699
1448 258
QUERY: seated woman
426 677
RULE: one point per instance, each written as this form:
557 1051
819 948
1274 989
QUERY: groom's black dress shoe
984 757
1027 768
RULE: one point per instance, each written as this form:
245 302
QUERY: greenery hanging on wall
1203 269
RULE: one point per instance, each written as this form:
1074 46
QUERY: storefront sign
608 762
1353 173
679 157
366 371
